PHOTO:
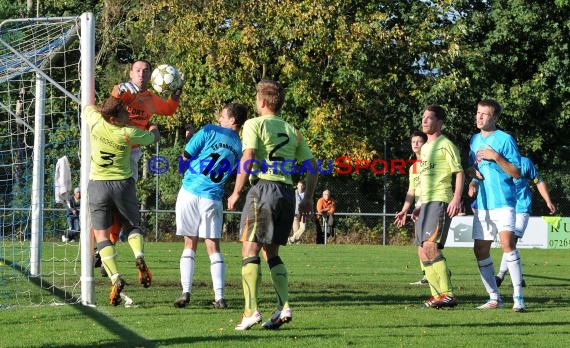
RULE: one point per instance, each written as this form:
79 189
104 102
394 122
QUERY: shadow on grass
351 298
128 338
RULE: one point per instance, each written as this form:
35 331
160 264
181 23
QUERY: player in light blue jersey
498 190
212 155
523 209
495 161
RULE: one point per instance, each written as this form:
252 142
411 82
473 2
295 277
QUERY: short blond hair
272 93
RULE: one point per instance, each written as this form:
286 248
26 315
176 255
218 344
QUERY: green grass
341 295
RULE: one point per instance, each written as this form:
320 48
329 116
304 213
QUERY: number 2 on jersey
272 156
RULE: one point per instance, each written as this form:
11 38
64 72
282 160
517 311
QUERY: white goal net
46 74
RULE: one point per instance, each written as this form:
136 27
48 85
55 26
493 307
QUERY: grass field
341 295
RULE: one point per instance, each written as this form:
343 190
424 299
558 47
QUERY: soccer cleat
220 304
128 301
115 294
431 301
492 304
446 301
278 318
145 277
247 322
97 260
518 305
422 281
183 300
499 280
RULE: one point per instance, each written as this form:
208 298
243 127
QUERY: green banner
558 232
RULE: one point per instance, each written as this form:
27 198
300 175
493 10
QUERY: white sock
218 271
487 271
515 270
187 265
503 269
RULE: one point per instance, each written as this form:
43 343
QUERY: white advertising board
460 233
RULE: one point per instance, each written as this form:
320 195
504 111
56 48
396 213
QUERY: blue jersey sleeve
524 194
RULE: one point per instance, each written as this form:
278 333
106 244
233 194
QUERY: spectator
326 207
299 223
72 214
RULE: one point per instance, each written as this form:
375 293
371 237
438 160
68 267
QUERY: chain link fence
366 205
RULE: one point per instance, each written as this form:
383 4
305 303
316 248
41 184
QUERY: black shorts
108 196
433 224
268 213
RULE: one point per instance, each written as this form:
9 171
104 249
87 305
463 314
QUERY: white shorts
521 223
197 216
488 223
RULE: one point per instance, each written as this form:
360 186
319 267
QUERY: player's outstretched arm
543 190
454 206
401 216
154 130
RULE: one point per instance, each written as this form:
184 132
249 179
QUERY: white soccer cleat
518 305
422 281
492 304
247 322
128 301
278 318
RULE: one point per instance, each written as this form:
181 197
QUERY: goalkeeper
142 103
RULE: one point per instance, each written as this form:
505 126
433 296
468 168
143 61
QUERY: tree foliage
358 73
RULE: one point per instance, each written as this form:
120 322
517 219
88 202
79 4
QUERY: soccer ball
165 78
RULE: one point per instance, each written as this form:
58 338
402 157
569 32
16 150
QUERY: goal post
87 97
47 71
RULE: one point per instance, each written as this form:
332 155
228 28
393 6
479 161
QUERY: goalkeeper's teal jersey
277 145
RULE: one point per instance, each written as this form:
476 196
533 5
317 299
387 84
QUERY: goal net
46 74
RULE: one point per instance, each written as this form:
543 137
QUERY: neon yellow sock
281 285
108 256
433 279
136 242
423 268
440 267
250 282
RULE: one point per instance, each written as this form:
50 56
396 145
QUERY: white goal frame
87 75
